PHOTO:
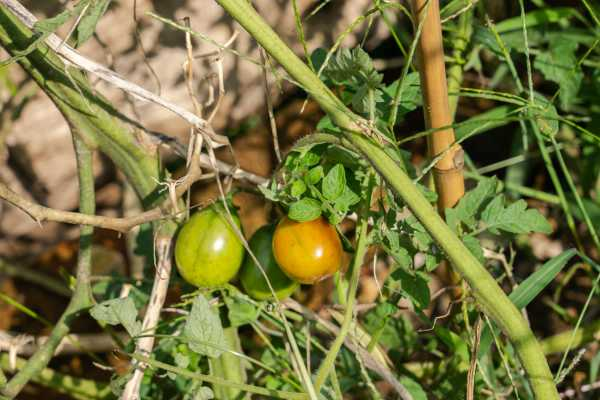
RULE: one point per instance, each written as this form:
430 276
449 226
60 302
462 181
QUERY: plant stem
329 361
486 291
270 393
77 388
557 185
82 296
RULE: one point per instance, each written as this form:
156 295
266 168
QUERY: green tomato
253 280
208 253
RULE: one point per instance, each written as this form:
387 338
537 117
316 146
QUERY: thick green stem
488 294
361 249
82 296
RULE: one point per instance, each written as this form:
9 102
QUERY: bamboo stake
448 172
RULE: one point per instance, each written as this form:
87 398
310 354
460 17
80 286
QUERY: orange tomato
307 251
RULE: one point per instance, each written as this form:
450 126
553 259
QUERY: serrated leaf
559 64
305 209
469 205
347 199
411 97
334 182
118 311
414 286
298 188
240 310
88 22
314 175
472 243
515 218
203 329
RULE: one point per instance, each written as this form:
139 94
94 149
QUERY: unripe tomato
307 251
208 252
251 277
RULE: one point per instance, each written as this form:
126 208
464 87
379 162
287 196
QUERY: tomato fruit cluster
208 253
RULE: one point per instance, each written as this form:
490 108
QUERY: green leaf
347 199
240 310
314 175
88 22
559 65
515 218
49 25
415 390
537 17
536 282
203 329
118 311
411 93
334 182
472 243
305 209
298 188
528 290
469 205
456 344
414 286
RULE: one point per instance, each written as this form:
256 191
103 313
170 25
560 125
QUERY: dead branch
73 57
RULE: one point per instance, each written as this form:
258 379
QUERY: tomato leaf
334 182
306 209
298 188
88 22
414 286
118 311
203 329
559 64
240 310
515 218
314 175
470 204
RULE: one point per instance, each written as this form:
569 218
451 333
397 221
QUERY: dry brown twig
72 57
157 299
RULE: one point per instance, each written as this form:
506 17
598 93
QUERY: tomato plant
251 277
307 251
208 252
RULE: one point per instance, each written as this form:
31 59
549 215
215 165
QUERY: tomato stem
361 249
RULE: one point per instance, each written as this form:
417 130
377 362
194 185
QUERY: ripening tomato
251 276
208 252
307 251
